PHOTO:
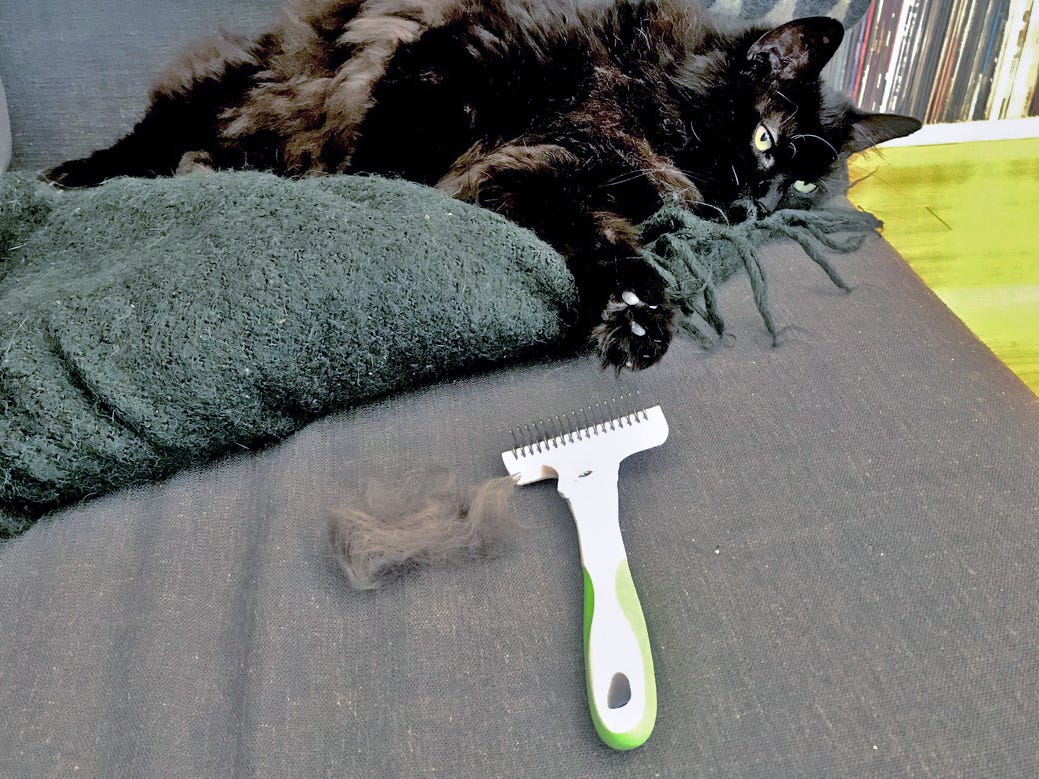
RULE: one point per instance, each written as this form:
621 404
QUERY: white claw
637 329
630 298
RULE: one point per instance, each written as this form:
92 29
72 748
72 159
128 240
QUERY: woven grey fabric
78 74
835 552
5 131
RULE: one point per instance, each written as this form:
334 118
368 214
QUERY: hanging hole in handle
620 691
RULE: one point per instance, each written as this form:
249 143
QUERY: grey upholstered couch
836 549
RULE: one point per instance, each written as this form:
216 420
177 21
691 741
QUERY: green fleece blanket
149 325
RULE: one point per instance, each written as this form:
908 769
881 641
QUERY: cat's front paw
76 173
634 334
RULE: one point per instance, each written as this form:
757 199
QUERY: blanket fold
147 325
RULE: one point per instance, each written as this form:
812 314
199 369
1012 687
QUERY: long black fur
576 118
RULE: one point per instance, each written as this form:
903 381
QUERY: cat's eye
804 186
762 138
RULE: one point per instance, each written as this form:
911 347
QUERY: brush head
575 444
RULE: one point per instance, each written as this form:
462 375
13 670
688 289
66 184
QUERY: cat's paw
192 162
634 334
75 173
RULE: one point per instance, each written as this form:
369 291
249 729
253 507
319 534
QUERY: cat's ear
866 130
798 49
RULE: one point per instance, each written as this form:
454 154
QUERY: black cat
576 118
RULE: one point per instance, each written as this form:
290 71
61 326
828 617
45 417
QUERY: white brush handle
622 690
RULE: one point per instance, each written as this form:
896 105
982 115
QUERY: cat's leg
185 105
624 305
636 320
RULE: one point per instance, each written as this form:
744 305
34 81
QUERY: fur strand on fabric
430 518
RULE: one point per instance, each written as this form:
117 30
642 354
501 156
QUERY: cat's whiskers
795 105
818 138
678 196
716 208
689 174
624 178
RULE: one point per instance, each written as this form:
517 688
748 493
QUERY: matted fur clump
429 518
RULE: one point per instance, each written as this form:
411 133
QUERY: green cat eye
762 138
804 186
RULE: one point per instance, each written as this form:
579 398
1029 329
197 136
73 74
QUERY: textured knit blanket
150 325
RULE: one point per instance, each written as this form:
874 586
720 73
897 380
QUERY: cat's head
773 135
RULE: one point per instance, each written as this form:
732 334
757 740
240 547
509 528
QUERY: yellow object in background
965 216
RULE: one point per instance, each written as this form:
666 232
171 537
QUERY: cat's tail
183 118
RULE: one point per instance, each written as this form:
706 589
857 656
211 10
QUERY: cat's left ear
866 130
799 49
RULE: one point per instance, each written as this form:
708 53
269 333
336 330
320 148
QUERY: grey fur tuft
429 518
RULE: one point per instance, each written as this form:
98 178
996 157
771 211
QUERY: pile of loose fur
430 518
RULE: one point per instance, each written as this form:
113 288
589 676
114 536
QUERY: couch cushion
78 74
835 552
5 131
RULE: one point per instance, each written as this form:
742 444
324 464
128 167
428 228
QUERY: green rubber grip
635 735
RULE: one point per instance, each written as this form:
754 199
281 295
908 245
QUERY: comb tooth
633 407
561 427
557 428
532 438
544 435
515 444
571 427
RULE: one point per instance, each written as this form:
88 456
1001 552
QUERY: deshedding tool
583 451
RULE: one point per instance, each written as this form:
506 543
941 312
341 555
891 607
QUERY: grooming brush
583 451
